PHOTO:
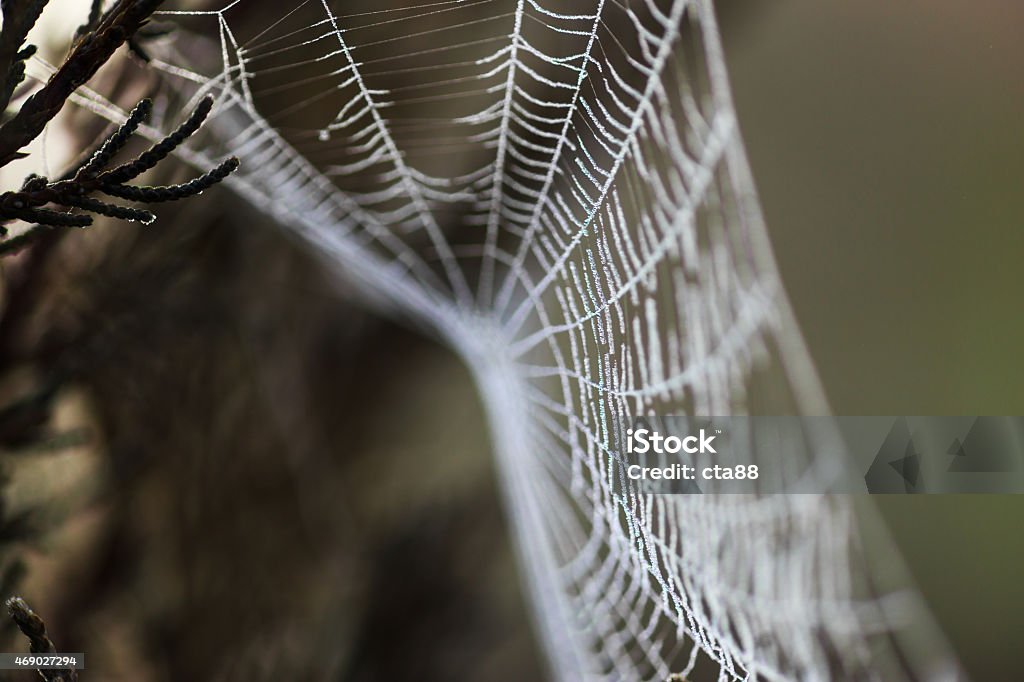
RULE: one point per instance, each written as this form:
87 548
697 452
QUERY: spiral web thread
560 192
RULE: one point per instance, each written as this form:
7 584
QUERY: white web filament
560 192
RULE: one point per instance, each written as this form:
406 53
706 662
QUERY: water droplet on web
324 135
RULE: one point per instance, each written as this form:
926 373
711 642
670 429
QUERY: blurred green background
887 142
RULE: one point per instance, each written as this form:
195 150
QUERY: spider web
559 191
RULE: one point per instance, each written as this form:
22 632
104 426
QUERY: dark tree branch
38 198
95 11
29 203
33 627
19 18
89 53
